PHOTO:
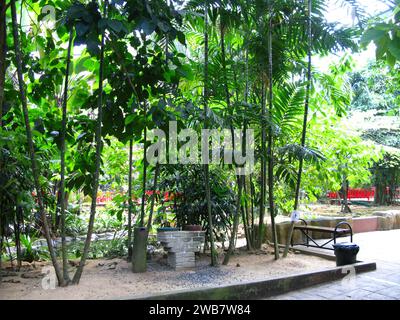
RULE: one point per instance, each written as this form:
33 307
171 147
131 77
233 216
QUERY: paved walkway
382 247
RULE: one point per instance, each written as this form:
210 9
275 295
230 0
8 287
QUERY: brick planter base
181 247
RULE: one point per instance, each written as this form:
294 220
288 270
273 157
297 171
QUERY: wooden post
139 252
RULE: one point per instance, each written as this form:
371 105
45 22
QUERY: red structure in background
108 196
356 194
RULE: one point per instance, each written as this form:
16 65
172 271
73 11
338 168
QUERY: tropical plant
213 64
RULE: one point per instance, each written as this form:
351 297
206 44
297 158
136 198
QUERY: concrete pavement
383 247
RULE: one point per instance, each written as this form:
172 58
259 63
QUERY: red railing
360 194
355 194
108 196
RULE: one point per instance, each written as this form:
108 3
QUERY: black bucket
346 253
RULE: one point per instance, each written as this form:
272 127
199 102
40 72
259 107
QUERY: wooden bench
336 232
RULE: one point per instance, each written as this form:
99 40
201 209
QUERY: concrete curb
261 289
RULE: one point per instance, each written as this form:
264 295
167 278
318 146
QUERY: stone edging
261 289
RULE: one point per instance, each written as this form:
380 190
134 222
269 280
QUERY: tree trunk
232 239
93 207
248 233
214 261
392 184
1 248
380 186
345 203
3 26
17 234
263 169
252 202
245 217
153 196
231 248
62 174
130 203
270 144
31 148
304 131
142 207
3 33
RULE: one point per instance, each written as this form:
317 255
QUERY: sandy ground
110 279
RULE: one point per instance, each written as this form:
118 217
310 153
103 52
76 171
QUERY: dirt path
108 279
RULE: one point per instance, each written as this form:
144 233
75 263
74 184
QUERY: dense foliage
96 77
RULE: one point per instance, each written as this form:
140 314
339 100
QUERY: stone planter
181 247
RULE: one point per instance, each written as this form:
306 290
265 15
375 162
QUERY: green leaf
148 27
185 71
168 75
391 60
116 25
93 46
394 48
79 65
181 37
371 35
129 119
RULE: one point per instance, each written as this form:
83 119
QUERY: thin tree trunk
214 261
252 201
1 247
235 227
3 26
3 33
249 235
130 174
245 211
246 221
157 168
9 253
142 207
270 144
345 188
231 248
304 131
31 148
130 203
17 234
263 169
153 196
79 271
62 174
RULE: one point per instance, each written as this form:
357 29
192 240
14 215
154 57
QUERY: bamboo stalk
304 131
214 261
